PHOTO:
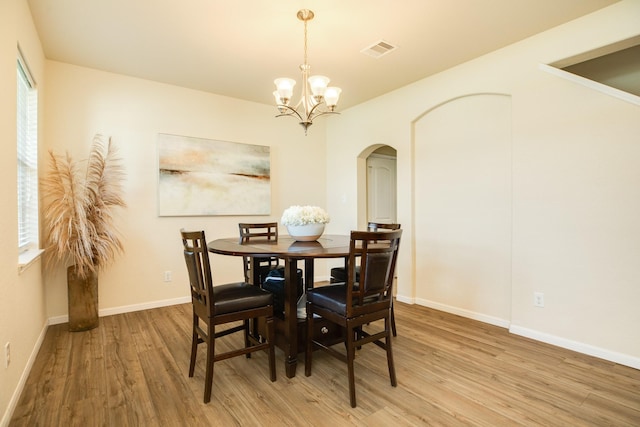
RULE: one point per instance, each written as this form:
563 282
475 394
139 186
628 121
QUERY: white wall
575 199
82 102
462 162
22 306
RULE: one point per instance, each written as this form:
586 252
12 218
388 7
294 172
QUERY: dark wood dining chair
256 269
260 270
354 304
222 304
339 274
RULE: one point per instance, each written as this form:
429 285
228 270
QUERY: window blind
27 131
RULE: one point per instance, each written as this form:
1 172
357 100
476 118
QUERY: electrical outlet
538 299
7 354
167 276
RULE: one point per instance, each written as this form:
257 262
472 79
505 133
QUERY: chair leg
272 353
351 354
309 347
392 369
393 321
247 342
208 377
194 346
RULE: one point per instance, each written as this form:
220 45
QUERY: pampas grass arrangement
78 215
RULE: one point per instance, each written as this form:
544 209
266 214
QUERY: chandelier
316 100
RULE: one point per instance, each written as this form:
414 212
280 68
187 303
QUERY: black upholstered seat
239 296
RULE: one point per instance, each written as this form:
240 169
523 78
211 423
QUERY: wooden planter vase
83 300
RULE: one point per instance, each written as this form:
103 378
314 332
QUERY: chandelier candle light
314 90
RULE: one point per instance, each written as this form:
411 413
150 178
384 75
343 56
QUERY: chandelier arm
292 112
322 113
310 114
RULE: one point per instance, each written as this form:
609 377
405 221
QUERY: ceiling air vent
379 49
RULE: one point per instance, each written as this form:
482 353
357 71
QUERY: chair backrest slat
257 231
196 256
248 231
377 252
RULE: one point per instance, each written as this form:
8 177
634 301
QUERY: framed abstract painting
199 176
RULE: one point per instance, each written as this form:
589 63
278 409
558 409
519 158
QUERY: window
27 130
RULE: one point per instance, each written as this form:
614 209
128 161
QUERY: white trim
27 258
127 309
590 350
322 278
144 306
58 319
26 68
596 53
608 90
13 402
496 321
406 300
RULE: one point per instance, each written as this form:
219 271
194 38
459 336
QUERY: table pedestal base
325 331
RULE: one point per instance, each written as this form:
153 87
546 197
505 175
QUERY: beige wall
573 177
82 102
462 159
22 306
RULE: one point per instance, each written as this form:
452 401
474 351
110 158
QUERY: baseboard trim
496 321
13 402
127 308
590 350
322 278
405 300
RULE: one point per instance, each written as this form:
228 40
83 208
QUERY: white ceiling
237 47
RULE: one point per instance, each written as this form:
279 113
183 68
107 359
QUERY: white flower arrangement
303 215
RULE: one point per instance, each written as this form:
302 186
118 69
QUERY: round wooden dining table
291 251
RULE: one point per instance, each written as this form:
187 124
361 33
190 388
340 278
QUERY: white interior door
381 189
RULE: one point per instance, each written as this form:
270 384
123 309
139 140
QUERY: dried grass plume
78 216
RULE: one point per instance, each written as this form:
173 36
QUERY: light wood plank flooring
452 371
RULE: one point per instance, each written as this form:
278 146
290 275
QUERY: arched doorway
377 187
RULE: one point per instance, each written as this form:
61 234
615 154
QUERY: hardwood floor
132 371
